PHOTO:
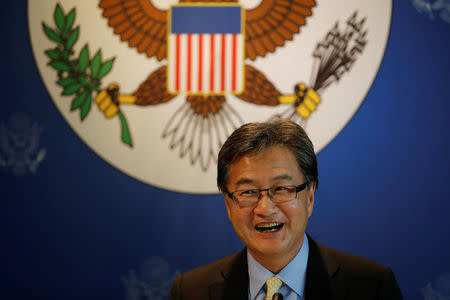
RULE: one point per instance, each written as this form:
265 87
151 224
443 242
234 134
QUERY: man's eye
248 192
280 188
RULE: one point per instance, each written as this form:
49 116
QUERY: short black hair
257 137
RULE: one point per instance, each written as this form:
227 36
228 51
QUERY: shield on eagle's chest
205 49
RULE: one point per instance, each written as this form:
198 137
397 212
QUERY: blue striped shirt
293 276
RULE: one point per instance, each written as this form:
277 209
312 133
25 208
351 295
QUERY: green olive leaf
54 54
106 68
70 18
59 18
86 107
72 89
60 66
79 100
66 81
83 60
73 38
95 65
51 34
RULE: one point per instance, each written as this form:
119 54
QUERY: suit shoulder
194 284
358 268
355 276
212 270
355 263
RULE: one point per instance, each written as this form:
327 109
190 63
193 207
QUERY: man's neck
275 263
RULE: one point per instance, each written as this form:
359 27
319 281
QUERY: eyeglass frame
298 188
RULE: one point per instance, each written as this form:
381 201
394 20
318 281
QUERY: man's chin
268 248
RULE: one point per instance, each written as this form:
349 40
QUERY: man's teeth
268 227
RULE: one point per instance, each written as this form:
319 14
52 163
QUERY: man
267 173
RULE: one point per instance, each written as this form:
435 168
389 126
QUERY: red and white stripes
205 63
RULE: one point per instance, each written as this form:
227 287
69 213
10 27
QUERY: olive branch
79 76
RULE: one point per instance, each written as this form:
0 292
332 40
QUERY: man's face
275 166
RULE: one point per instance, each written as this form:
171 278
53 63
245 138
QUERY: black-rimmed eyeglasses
278 194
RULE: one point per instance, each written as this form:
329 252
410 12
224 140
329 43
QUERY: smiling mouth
269 227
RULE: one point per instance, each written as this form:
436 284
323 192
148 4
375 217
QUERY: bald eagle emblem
172 79
200 35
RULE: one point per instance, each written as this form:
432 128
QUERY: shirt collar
293 275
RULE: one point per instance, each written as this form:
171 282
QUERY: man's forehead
276 163
259 152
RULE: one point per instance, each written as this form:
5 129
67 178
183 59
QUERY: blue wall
77 227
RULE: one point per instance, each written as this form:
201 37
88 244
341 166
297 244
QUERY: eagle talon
305 100
113 92
109 100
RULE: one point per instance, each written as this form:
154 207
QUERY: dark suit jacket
330 274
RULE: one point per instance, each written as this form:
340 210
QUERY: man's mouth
269 227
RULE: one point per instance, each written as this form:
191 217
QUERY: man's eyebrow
283 176
244 181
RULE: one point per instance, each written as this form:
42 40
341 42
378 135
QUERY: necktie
273 284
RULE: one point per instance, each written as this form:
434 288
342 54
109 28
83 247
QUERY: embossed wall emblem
20 149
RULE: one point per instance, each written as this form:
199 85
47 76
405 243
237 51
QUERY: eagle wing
258 89
272 23
153 90
140 23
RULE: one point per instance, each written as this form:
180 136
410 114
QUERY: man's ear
312 186
227 203
310 199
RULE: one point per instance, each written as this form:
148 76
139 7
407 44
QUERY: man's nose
265 205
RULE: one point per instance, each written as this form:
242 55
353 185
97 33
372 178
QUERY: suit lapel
235 280
320 274
321 277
